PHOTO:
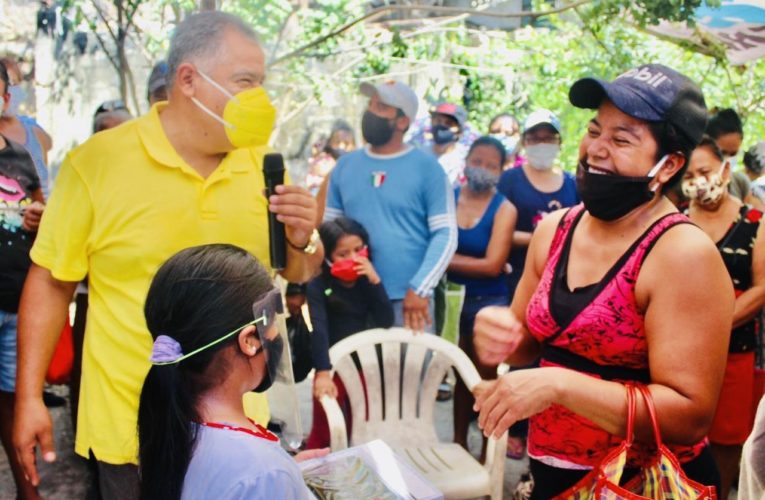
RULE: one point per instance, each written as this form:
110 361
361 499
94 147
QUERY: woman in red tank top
620 289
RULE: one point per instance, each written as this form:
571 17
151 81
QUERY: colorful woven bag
661 479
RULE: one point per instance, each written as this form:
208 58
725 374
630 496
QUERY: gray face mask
480 180
542 156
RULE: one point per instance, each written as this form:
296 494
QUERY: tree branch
281 32
130 14
101 42
132 89
733 86
292 114
591 31
103 19
429 8
689 43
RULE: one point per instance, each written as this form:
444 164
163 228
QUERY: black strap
743 338
568 359
732 231
610 274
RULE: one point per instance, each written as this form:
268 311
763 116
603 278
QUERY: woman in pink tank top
622 288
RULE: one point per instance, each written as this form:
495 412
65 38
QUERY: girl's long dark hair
331 232
197 296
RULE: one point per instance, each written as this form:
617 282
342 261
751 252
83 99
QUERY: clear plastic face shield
282 395
278 379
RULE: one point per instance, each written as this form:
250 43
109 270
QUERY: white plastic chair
401 386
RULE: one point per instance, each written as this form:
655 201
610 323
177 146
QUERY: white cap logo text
645 75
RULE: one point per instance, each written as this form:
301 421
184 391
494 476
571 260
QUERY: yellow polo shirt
124 202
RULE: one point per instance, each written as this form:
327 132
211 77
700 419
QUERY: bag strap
651 412
630 436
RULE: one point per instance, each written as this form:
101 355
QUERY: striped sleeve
334 206
442 225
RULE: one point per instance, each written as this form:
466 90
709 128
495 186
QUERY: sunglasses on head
113 105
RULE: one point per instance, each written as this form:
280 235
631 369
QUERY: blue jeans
8 351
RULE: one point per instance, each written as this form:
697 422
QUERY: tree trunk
121 56
207 5
131 89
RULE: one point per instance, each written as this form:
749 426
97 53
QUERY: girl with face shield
736 230
210 310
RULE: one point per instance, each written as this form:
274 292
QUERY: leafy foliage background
495 71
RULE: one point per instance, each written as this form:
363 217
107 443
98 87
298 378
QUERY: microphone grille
273 162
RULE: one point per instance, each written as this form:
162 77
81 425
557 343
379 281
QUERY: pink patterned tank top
603 337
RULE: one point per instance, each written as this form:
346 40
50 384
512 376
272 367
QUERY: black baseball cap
652 92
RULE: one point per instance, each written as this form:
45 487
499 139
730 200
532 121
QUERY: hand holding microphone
273 175
292 207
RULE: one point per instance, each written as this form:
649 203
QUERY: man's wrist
310 246
428 294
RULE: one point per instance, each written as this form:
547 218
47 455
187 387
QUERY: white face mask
509 141
542 156
732 161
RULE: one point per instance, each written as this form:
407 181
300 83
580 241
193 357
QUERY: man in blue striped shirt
402 196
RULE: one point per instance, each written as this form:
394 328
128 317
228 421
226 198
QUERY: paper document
369 471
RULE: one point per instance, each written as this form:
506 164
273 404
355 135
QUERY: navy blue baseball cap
652 92
158 77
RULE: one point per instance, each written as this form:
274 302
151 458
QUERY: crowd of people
646 266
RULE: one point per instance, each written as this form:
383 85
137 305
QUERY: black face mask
443 134
274 356
611 197
376 130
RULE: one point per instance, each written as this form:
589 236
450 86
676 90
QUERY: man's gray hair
196 38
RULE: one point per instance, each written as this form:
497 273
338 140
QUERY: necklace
260 432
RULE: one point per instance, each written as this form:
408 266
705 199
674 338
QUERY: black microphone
273 174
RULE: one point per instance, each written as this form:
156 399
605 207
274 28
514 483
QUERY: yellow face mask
248 117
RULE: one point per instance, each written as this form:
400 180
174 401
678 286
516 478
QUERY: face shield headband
168 351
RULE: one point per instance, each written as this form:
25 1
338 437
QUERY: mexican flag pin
378 178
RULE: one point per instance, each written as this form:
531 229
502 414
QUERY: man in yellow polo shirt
188 173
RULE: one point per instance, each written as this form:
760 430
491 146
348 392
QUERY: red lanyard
261 431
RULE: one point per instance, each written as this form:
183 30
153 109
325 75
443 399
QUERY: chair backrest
392 378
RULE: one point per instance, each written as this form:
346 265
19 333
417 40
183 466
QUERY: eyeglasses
113 105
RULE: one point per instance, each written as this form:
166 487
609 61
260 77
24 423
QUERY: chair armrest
495 464
338 435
